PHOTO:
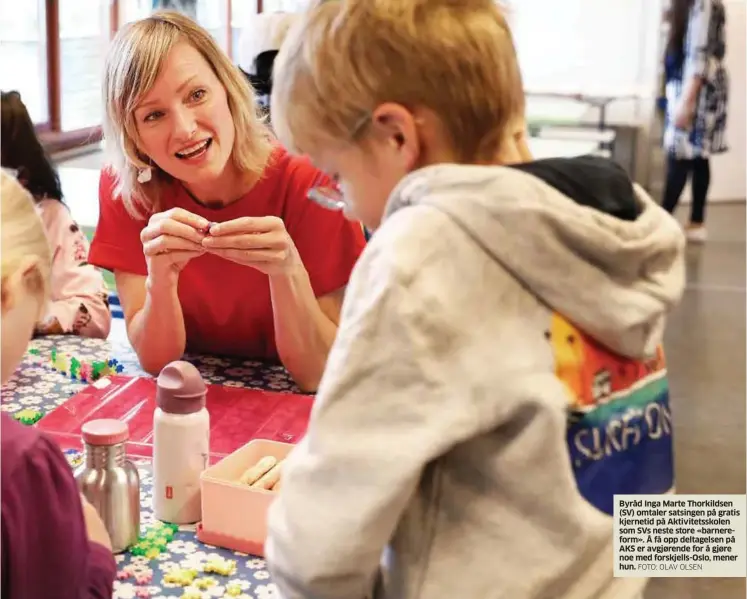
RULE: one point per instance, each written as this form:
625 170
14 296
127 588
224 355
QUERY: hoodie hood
576 232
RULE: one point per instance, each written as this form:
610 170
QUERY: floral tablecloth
37 386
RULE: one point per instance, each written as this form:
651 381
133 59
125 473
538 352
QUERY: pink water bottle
181 439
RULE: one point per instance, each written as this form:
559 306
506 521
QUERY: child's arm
389 404
700 23
46 548
79 298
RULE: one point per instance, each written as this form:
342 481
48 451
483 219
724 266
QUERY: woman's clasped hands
172 238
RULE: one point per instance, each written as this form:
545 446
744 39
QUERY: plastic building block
140 548
191 594
77 368
28 416
155 540
224 567
123 575
74 457
142 593
143 578
163 528
153 552
180 576
233 590
74 367
86 372
205 583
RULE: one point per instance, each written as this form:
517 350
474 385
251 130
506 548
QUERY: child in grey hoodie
497 374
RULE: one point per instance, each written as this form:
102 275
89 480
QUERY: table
584 98
35 385
560 148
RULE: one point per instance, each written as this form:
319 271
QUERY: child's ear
10 291
6 295
25 278
400 128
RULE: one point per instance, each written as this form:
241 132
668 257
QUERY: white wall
614 46
605 47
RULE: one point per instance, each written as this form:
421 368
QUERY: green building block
28 416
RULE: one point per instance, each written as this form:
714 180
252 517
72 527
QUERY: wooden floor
705 344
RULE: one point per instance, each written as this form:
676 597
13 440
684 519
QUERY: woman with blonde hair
47 527
204 219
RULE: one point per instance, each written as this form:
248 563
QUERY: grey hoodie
497 377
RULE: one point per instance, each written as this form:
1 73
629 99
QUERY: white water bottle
181 440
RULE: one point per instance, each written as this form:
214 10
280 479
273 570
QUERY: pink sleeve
79 298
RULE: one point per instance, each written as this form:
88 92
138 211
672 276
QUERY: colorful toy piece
85 373
206 230
76 368
140 548
142 593
191 594
218 565
180 576
153 552
28 416
154 541
123 575
163 529
143 578
205 583
60 362
233 590
74 457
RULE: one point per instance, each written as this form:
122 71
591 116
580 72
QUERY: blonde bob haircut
133 63
23 236
345 57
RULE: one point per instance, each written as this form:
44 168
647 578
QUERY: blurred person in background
697 85
78 302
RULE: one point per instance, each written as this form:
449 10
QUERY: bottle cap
180 389
105 431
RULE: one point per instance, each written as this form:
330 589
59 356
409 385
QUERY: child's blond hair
22 235
344 57
134 60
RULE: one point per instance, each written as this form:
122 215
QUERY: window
84 36
132 10
241 12
53 53
24 54
211 14
284 5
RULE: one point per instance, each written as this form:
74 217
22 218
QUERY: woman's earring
144 175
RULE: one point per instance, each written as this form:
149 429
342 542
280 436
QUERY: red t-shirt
227 307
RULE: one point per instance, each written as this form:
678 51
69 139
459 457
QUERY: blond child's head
373 90
24 264
169 91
